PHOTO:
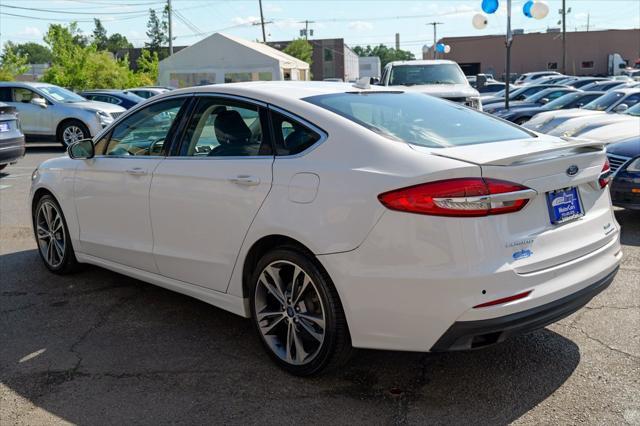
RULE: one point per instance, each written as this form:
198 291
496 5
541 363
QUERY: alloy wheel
289 312
72 134
51 234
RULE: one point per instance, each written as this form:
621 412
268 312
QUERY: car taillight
605 174
462 197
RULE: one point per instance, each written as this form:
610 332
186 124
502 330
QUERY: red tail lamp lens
605 174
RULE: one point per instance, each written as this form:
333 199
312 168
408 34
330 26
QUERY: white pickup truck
441 78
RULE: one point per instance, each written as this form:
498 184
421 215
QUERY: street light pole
435 39
170 28
509 41
564 37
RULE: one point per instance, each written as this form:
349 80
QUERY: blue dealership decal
522 254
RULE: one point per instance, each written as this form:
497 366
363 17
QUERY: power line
73 12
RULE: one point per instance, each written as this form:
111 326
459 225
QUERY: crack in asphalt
611 348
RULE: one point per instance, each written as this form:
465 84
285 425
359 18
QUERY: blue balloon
526 9
440 48
489 6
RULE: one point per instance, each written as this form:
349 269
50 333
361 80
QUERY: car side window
23 95
291 137
631 100
144 132
5 94
225 128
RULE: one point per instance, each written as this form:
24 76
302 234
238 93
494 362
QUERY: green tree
386 54
12 63
301 49
147 73
82 67
117 42
34 52
157 29
99 35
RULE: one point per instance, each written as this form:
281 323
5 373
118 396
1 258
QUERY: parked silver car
52 112
11 137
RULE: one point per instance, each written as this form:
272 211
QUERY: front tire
52 236
72 131
297 313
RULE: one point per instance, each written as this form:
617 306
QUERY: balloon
526 9
447 48
440 48
539 10
489 6
479 21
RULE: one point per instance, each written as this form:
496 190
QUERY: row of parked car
602 109
48 112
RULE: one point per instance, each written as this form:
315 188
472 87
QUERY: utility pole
170 28
509 41
264 34
306 28
435 39
588 19
564 37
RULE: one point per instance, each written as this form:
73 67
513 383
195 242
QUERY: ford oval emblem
572 170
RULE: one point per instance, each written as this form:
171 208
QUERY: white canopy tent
222 58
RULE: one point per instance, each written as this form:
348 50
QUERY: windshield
634 110
604 101
563 101
411 75
61 95
419 119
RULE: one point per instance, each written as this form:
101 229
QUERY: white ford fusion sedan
337 216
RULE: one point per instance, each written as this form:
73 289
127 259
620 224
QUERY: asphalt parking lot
102 348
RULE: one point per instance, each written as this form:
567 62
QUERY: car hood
626 148
517 105
443 90
613 132
533 110
95 106
579 125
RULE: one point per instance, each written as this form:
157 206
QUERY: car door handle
245 180
137 171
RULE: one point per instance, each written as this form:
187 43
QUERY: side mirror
621 108
39 101
544 101
82 150
579 105
374 80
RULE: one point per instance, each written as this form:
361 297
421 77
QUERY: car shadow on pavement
99 347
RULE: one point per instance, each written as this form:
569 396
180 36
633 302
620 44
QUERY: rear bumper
464 335
11 150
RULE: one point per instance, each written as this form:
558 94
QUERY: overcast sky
358 22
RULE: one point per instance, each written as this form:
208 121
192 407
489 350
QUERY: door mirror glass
621 108
82 149
39 101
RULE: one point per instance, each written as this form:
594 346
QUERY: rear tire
72 131
297 313
52 236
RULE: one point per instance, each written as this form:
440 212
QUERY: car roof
266 90
626 90
26 84
422 62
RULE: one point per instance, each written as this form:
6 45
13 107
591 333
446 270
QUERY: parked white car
364 218
613 132
441 78
52 112
535 77
618 100
576 127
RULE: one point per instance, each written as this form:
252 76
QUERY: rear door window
291 137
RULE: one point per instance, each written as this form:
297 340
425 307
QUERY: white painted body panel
402 278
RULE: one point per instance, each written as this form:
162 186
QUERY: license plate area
564 205
4 127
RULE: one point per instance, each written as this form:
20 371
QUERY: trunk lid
528 240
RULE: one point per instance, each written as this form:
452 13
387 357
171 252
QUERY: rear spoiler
511 155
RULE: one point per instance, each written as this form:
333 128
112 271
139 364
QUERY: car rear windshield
604 101
419 119
411 75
